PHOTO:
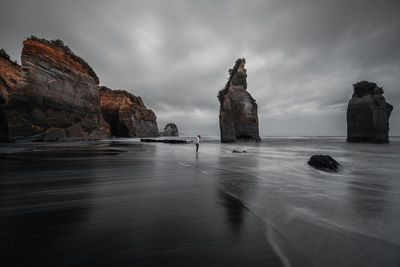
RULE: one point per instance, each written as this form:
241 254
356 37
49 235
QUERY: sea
121 202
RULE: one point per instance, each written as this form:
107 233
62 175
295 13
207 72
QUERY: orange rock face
10 73
56 97
126 114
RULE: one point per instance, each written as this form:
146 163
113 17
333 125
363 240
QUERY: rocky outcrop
10 73
57 96
324 163
167 141
126 114
171 130
238 119
368 114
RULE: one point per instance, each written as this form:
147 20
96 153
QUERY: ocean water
124 203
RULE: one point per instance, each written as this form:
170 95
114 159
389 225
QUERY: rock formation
10 73
126 114
171 130
368 114
168 141
324 163
238 119
57 96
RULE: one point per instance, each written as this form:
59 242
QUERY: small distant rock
324 163
171 130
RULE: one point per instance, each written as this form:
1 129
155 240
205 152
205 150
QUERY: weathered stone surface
10 73
324 163
238 119
58 92
171 130
368 114
126 114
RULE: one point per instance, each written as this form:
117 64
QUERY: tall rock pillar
238 119
368 114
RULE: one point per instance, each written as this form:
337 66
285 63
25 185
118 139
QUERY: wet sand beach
124 203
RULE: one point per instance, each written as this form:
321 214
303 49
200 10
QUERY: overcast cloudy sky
302 56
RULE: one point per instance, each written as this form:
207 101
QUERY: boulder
126 114
368 114
324 163
57 92
171 130
238 119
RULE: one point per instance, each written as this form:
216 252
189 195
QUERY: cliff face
238 119
57 96
368 114
10 73
126 114
171 130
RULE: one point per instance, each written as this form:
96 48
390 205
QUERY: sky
302 57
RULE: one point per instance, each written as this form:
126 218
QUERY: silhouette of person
197 143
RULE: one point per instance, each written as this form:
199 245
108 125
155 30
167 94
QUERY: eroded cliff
238 119
10 73
126 114
57 96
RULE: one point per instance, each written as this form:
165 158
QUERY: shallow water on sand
121 203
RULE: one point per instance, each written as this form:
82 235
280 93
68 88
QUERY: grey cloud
302 56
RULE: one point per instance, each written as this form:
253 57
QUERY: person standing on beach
197 143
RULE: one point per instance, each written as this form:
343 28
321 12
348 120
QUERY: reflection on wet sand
152 205
234 211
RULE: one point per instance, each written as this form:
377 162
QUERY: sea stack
368 114
171 130
126 114
10 73
238 119
56 97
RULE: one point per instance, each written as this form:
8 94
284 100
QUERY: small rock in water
238 151
323 162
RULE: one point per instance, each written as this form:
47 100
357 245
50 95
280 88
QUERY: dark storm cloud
302 56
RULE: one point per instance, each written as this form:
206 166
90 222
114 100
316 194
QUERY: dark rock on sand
171 130
324 163
169 141
368 114
239 151
56 97
238 119
126 114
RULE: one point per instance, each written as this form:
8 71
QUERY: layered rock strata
10 73
57 96
171 130
368 114
238 119
126 114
